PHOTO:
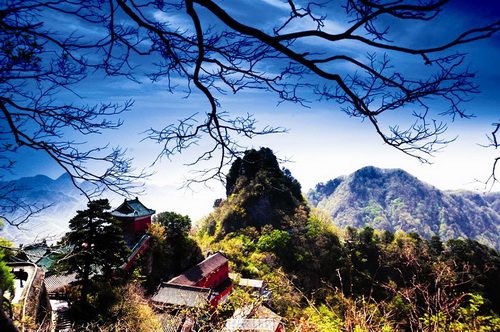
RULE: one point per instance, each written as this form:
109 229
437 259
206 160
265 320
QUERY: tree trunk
85 281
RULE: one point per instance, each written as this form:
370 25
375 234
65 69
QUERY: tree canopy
6 278
172 249
97 243
175 224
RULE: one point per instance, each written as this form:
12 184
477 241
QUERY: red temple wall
138 225
215 278
142 223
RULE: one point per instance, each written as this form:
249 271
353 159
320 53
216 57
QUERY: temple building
205 283
135 218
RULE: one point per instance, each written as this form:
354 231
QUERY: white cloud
175 22
277 4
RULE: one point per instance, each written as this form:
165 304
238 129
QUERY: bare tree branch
300 56
37 67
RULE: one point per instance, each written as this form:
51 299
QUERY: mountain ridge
59 198
390 199
395 200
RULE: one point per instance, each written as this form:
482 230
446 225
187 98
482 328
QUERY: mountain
394 200
268 233
259 194
60 198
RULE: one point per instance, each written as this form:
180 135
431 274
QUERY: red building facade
212 273
135 218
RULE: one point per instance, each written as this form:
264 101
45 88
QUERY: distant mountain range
389 199
65 200
394 200
60 197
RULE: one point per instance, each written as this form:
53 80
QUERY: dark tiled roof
182 295
35 252
46 262
132 208
54 282
198 272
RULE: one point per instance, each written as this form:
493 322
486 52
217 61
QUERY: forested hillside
393 200
259 194
326 279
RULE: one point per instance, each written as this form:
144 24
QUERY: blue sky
322 142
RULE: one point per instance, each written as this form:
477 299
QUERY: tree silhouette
37 66
98 247
493 142
303 53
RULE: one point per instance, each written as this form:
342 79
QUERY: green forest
394 200
319 277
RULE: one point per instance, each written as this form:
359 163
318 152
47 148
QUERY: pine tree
98 247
